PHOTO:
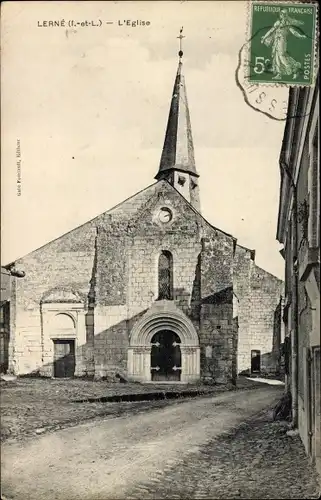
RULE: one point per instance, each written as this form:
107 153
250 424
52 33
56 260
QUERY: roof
178 149
126 209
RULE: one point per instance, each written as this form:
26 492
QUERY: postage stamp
282 43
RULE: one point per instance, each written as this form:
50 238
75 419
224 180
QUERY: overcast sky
90 105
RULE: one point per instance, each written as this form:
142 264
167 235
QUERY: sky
89 107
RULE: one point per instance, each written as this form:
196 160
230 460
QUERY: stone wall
104 275
304 303
4 335
217 327
259 308
265 325
202 281
305 324
64 264
69 265
126 279
242 268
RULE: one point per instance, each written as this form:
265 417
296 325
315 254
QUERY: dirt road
109 458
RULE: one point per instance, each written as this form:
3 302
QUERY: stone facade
299 232
96 283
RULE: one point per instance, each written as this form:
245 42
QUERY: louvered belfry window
165 276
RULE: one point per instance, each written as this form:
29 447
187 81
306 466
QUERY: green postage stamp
282 42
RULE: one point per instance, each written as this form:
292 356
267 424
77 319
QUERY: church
148 291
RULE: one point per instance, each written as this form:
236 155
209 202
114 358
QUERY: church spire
177 163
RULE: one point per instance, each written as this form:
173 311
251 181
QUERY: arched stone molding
62 295
163 315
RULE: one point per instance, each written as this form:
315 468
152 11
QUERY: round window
165 215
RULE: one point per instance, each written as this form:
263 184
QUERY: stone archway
163 316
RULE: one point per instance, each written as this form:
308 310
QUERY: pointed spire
178 149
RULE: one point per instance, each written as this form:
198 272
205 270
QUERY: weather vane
181 36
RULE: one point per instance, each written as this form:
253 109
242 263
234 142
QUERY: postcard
160 285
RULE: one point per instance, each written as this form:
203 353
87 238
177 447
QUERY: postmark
269 100
282 43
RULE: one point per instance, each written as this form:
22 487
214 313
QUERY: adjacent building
5 295
149 289
299 231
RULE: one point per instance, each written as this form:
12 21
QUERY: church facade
148 290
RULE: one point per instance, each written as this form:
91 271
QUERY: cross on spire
181 36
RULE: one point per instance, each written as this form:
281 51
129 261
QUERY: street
159 454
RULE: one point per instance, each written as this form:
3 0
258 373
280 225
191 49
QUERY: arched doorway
164 324
166 359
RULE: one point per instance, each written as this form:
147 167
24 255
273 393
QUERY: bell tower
177 164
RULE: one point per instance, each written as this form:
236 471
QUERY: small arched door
166 356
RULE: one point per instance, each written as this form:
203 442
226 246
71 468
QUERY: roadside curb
147 396
160 395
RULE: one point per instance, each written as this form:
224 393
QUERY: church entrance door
166 356
64 358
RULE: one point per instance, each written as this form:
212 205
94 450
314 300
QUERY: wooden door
166 356
64 358
255 361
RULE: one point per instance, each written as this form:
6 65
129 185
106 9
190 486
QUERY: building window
255 361
181 180
193 184
165 276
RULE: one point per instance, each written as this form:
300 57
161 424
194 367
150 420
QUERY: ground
222 446
37 405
